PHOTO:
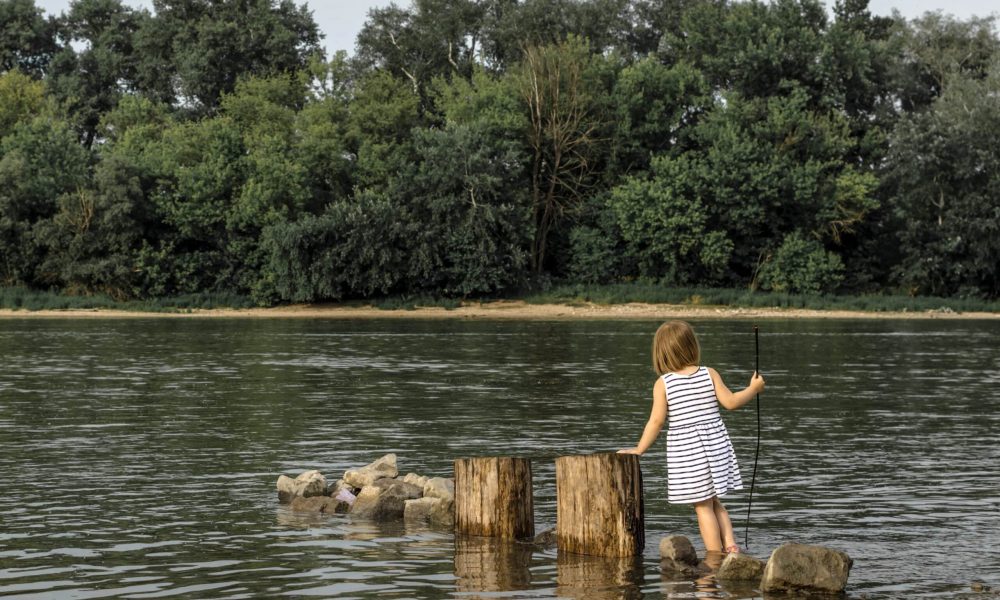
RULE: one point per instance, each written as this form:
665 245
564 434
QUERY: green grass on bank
18 298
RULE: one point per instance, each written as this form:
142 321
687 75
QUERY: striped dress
701 462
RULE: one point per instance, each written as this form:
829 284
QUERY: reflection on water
491 565
599 577
139 456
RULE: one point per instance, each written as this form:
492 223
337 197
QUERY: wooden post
493 497
599 508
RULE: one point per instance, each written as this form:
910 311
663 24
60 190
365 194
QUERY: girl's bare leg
708 525
725 525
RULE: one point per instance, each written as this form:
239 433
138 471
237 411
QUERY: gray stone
443 513
323 504
417 480
804 568
334 488
384 500
678 548
439 487
306 485
671 568
378 504
741 567
384 467
419 509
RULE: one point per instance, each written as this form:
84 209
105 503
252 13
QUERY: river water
139 456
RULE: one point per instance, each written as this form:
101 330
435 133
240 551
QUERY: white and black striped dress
701 462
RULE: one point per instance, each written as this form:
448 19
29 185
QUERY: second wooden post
493 497
599 507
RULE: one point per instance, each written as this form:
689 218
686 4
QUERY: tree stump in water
599 509
493 497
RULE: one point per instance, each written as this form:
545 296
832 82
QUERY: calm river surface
139 456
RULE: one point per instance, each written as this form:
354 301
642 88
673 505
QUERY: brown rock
799 567
741 567
323 504
678 548
306 485
384 467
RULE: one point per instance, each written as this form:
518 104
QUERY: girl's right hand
630 451
757 382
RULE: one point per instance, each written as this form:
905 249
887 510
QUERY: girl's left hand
630 451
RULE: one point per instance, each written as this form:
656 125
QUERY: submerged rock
800 567
740 567
384 467
306 485
323 504
678 548
682 570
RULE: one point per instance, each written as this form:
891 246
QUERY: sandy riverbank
506 310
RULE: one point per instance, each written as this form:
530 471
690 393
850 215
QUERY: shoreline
502 310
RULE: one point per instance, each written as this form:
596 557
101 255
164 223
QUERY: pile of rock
792 568
375 492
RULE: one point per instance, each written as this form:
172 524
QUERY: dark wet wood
599 506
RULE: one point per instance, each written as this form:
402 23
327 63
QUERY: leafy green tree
95 238
802 266
466 192
936 48
355 248
667 226
382 114
655 106
194 51
21 99
944 176
27 38
90 81
434 37
40 161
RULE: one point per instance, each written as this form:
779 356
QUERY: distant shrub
802 265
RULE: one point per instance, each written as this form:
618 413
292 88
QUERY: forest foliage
472 148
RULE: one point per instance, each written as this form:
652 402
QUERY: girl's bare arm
657 416
733 400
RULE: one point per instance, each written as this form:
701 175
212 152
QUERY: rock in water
798 567
384 500
741 567
418 480
306 485
439 487
368 474
323 504
443 513
419 509
678 548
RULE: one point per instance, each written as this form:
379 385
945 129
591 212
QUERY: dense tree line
474 147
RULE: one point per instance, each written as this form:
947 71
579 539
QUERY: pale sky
341 20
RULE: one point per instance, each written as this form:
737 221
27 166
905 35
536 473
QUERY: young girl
701 464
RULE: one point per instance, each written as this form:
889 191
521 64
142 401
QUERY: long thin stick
756 455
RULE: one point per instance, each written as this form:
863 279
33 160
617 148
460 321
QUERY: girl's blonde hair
675 347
